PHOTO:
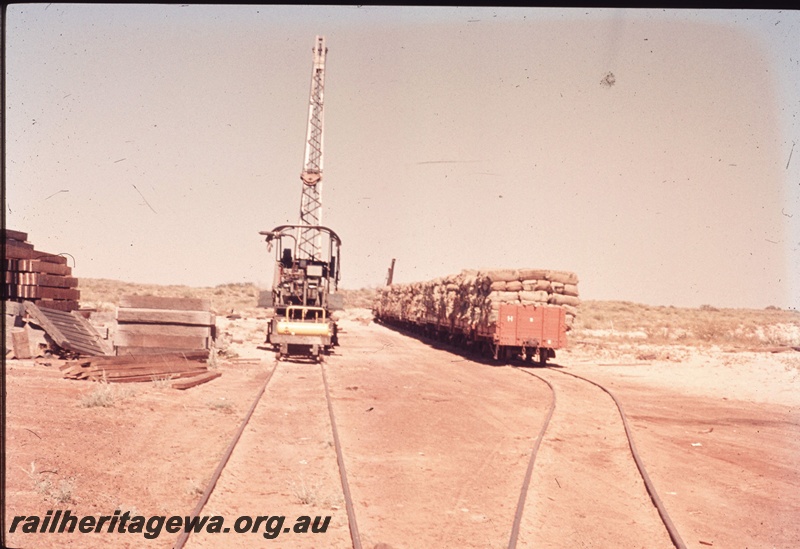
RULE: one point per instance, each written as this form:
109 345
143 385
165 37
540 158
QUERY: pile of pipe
472 298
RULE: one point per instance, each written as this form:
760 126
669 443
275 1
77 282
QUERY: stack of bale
472 298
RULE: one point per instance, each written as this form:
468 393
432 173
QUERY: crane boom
308 244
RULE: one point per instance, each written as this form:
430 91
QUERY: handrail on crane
274 233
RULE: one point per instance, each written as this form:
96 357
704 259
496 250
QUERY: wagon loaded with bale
505 313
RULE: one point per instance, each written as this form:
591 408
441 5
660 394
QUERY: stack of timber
40 277
472 299
190 369
152 325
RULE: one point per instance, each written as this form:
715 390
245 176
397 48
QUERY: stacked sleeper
472 299
36 276
152 325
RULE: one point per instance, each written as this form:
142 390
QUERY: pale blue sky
455 138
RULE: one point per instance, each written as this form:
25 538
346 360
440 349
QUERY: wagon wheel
528 355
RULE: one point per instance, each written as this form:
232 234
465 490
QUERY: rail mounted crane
307 259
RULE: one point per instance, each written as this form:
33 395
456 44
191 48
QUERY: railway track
552 502
566 385
183 538
246 445
579 456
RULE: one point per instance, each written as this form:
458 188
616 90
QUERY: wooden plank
65 323
36 266
76 336
74 372
132 358
150 370
18 252
56 315
155 302
84 348
136 351
98 376
167 341
88 339
105 345
80 336
65 305
165 316
53 281
19 243
115 373
21 278
20 343
22 291
164 329
14 308
59 293
196 380
16 235
42 320
84 344
60 321
133 379
123 363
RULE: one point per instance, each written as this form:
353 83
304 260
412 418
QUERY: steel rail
348 500
651 489
675 537
218 471
523 495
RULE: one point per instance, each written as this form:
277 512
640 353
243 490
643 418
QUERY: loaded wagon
506 313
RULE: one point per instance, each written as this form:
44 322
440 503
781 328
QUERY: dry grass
225 299
193 488
162 382
359 299
701 326
104 394
224 406
63 492
314 493
57 493
606 320
305 493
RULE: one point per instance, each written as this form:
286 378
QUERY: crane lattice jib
309 240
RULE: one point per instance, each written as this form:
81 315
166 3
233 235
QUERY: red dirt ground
435 445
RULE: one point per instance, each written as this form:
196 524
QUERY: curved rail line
512 542
351 518
649 486
651 490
